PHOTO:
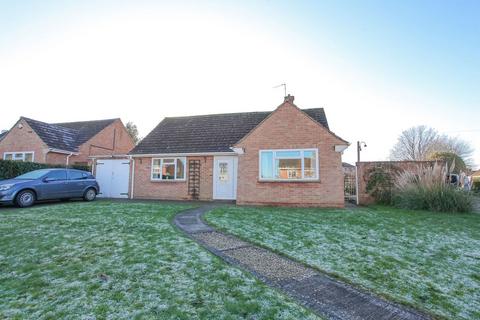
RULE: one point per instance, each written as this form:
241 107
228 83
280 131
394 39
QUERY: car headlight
4 187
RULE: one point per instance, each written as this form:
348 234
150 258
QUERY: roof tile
207 133
67 136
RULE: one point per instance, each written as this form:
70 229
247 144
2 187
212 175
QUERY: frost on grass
120 261
430 260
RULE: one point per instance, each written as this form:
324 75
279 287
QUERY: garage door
112 176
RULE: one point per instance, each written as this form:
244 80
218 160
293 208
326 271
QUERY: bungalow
285 157
64 143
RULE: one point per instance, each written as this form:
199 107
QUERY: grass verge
425 259
121 261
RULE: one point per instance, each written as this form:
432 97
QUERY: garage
112 176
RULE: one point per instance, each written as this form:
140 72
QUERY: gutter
62 151
109 156
199 154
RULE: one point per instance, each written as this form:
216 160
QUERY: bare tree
454 145
133 131
414 144
418 143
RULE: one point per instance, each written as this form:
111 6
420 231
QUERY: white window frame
183 159
317 160
23 155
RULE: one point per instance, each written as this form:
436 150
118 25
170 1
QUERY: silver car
48 184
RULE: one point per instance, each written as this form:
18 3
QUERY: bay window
285 165
168 169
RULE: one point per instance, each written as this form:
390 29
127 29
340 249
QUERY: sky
377 67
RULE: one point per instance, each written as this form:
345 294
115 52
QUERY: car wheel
90 195
25 198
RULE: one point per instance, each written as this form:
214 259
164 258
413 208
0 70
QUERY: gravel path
326 296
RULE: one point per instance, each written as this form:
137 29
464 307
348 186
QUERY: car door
54 185
76 183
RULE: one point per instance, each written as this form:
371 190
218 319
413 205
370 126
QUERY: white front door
112 176
225 178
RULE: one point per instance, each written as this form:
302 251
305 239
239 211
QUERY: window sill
289 181
167 181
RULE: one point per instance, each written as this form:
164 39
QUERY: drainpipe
132 177
68 158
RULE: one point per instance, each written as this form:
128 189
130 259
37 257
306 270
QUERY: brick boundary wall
365 167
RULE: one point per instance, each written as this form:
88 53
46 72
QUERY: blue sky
376 66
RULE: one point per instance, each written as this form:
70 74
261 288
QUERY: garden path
326 296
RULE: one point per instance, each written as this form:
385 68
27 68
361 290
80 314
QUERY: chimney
289 98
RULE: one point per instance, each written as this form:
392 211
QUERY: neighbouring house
287 156
348 168
65 143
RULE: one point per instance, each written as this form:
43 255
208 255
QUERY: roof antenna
284 88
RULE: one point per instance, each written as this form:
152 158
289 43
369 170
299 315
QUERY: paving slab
328 297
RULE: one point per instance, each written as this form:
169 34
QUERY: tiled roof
2 135
86 129
207 133
67 136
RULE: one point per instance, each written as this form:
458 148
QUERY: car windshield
32 175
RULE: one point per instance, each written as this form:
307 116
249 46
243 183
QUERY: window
76 175
19 156
168 169
297 164
57 175
223 171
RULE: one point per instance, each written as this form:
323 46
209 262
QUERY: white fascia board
109 156
62 151
341 147
238 150
166 155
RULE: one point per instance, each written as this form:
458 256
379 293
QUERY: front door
225 178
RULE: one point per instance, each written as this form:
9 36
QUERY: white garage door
112 176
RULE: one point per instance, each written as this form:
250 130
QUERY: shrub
437 198
454 161
380 183
426 188
11 169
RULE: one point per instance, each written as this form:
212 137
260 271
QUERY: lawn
112 260
429 260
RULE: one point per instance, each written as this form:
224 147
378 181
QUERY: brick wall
145 188
364 169
24 139
57 158
103 143
289 128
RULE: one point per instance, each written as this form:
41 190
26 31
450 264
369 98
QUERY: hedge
11 169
